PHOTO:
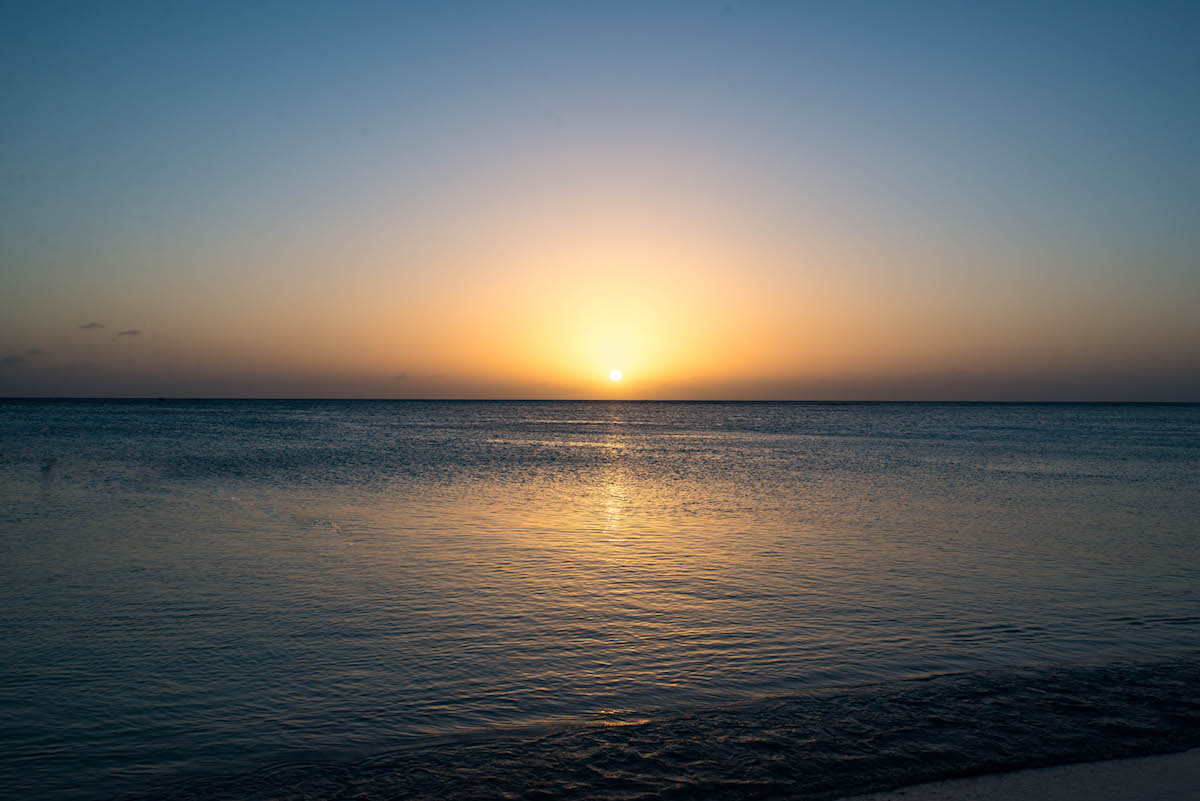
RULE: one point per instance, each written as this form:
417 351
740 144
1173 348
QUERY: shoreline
1162 777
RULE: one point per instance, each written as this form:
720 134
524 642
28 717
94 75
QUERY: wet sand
1169 777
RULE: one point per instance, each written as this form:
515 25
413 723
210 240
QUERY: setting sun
614 375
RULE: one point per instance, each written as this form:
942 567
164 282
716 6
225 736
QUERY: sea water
338 599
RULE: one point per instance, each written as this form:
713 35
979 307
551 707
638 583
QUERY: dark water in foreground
326 600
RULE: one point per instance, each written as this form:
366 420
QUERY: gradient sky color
736 200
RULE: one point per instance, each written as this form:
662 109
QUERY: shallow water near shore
221 599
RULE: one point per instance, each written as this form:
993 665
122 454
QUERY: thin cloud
92 325
132 332
14 359
400 377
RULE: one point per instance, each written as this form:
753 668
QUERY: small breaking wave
818 745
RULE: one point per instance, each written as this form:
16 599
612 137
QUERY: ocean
400 599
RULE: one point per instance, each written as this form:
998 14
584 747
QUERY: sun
614 375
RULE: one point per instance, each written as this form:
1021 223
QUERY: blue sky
244 182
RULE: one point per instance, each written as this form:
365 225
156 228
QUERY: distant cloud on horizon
87 326
132 332
14 359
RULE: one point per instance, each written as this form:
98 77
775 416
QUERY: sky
727 200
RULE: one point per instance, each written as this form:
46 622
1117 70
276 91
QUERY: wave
818 745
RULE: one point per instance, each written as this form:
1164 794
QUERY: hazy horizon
724 201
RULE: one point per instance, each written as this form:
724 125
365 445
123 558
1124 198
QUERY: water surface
223 598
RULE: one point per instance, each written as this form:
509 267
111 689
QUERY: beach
1168 777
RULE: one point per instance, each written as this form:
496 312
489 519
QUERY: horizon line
169 398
